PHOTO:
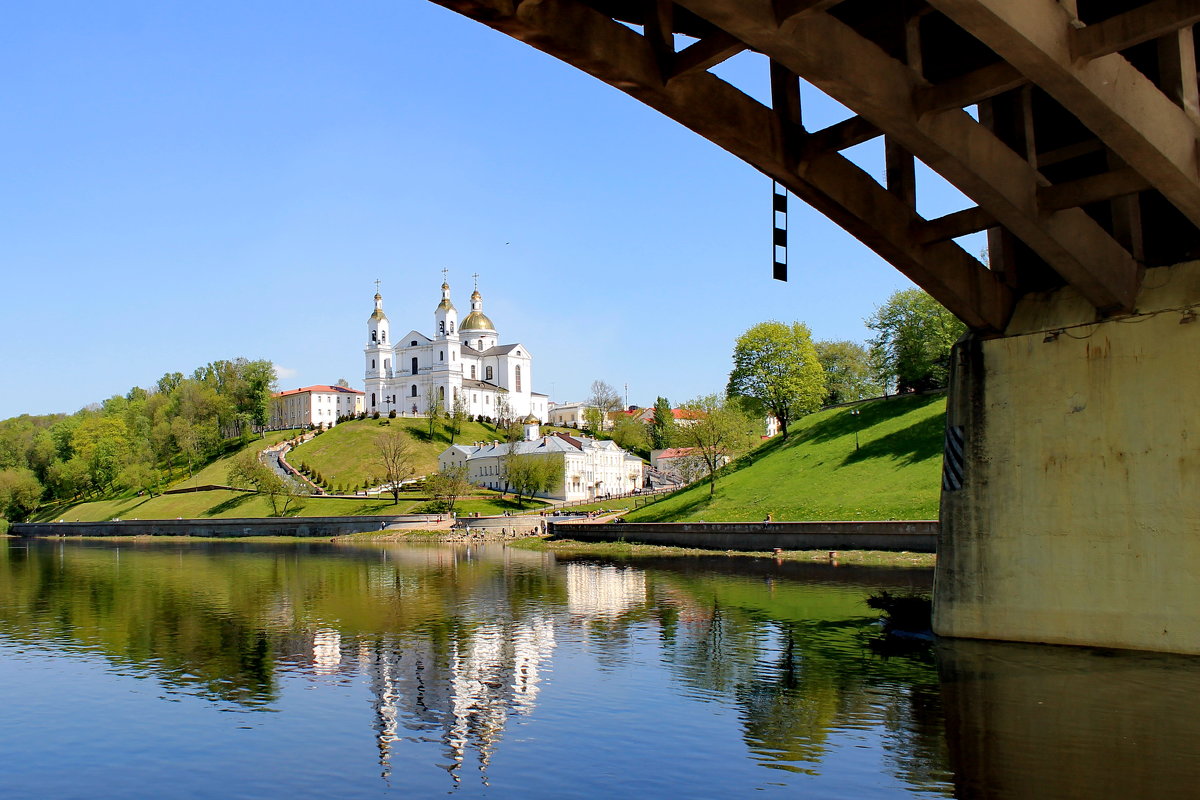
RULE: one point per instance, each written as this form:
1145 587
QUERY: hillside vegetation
347 454
816 473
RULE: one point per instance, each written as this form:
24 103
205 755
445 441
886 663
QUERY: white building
590 468
463 361
314 405
568 415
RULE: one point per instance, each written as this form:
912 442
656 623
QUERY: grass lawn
817 474
346 454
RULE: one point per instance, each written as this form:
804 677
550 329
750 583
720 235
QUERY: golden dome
477 321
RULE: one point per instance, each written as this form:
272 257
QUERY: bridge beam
1068 509
1119 104
825 179
857 73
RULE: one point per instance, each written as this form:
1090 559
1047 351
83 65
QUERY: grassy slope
817 474
346 454
241 504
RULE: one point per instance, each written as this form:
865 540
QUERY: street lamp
854 412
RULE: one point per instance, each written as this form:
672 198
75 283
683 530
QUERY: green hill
347 454
817 474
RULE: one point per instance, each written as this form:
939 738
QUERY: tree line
139 441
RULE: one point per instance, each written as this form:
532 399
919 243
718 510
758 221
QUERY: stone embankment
222 528
905 536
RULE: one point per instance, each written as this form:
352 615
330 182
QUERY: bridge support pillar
1075 516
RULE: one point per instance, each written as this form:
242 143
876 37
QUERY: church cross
377 286
445 271
476 277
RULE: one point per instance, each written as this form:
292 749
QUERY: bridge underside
1072 127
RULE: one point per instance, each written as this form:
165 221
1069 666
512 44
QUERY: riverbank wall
223 528
907 536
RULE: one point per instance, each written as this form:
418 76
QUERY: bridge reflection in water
1036 721
487 669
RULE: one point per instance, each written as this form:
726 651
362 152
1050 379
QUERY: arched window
487 375
372 398
472 372
452 326
413 343
372 363
442 328
481 344
441 355
387 363
518 378
413 393
383 336
414 365
442 393
374 336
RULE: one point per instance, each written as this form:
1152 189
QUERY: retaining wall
913 536
291 526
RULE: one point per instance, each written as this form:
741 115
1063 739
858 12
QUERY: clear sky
190 182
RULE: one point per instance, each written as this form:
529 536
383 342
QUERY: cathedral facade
460 363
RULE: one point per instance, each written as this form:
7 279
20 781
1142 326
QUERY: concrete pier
1071 499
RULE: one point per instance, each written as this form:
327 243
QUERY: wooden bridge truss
1081 156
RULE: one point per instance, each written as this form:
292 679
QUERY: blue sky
185 183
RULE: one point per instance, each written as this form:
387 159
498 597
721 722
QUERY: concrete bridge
1070 506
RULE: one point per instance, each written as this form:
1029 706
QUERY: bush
375 415
3 526
392 414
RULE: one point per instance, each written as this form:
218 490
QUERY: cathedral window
413 393
488 374
387 363
372 398
442 328
442 393
383 337
452 326
472 372
372 363
374 336
518 377
413 343
441 355
414 366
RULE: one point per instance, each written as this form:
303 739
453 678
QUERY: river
230 669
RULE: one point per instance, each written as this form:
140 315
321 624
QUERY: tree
20 492
720 433
530 474
914 334
662 429
458 415
249 472
849 372
630 433
433 406
604 399
775 366
396 458
447 486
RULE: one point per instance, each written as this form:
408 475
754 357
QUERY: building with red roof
311 406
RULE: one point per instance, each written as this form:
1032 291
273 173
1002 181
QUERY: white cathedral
460 361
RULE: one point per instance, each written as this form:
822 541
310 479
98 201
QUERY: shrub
392 414
375 415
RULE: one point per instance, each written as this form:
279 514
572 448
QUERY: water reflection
454 648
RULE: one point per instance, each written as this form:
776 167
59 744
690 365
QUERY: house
314 405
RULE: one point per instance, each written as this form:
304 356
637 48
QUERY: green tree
849 372
447 486
394 455
719 433
605 400
914 334
433 407
530 474
20 492
662 429
458 416
630 433
247 471
775 367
